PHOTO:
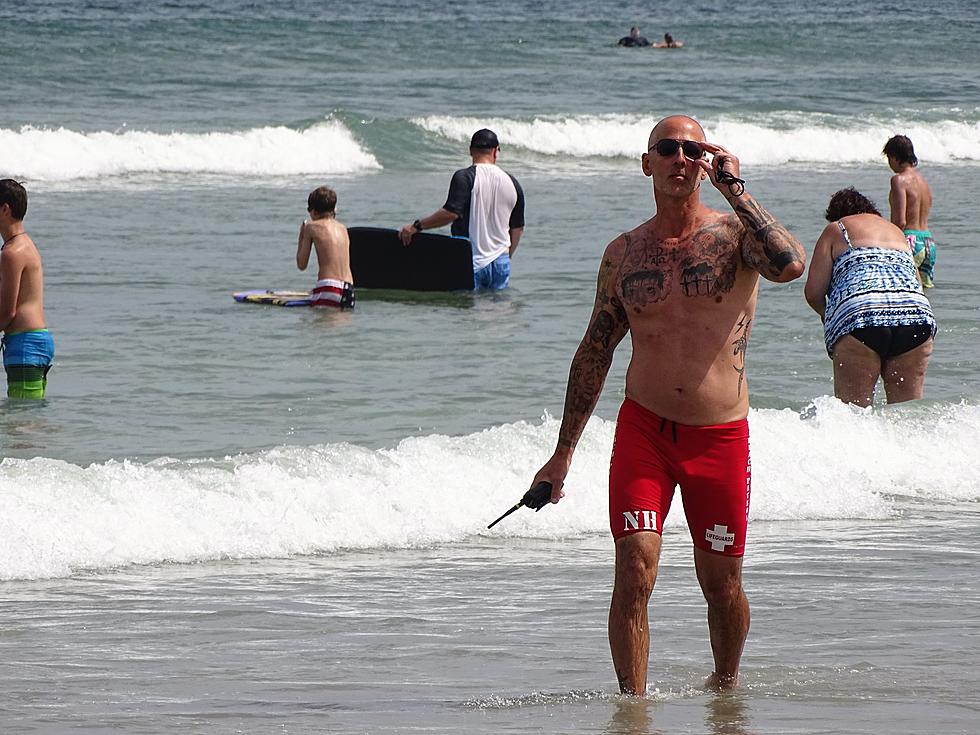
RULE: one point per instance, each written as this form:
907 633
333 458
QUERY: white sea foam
64 155
56 518
760 140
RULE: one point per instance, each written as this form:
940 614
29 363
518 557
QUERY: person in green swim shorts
911 199
28 349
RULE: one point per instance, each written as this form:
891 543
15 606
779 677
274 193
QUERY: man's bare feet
721 682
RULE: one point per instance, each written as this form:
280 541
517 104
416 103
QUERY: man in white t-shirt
486 205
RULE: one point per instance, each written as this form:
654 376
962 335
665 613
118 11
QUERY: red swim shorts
651 455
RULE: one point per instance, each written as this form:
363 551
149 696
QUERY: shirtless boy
910 199
684 284
28 349
335 282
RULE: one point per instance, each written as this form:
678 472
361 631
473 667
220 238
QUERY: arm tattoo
601 329
593 358
768 247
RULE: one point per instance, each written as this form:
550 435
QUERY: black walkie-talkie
537 497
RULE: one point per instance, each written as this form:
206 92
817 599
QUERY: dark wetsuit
630 41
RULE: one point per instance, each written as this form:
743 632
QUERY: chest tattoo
646 275
646 287
705 265
711 265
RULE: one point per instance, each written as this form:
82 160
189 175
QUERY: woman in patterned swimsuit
877 322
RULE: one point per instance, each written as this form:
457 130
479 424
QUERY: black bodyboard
431 263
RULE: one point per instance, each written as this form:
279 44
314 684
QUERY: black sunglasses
668 147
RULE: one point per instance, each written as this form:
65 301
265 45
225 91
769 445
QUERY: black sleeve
460 191
517 213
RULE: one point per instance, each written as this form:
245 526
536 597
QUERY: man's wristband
736 186
417 224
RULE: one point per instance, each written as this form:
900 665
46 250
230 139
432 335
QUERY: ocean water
228 518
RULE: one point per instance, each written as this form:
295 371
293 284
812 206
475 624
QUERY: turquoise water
197 460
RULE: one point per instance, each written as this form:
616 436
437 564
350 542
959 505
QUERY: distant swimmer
335 282
28 349
910 199
877 322
668 42
486 205
633 39
684 285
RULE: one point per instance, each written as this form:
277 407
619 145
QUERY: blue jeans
495 275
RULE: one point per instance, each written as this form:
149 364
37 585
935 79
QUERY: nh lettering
640 520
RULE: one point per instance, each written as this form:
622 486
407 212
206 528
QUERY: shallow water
856 625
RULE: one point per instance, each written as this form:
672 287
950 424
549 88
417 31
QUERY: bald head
680 127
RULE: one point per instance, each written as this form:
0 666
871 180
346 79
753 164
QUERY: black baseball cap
484 138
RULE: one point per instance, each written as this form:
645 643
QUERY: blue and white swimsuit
873 287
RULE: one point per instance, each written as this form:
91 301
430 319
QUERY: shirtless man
28 349
335 282
684 284
911 199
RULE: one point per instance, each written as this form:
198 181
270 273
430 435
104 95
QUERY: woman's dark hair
900 148
847 202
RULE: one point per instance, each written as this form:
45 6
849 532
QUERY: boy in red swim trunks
324 233
684 285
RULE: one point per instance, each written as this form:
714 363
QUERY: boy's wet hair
900 148
13 193
322 200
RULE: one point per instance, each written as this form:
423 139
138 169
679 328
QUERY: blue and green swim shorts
27 357
923 253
